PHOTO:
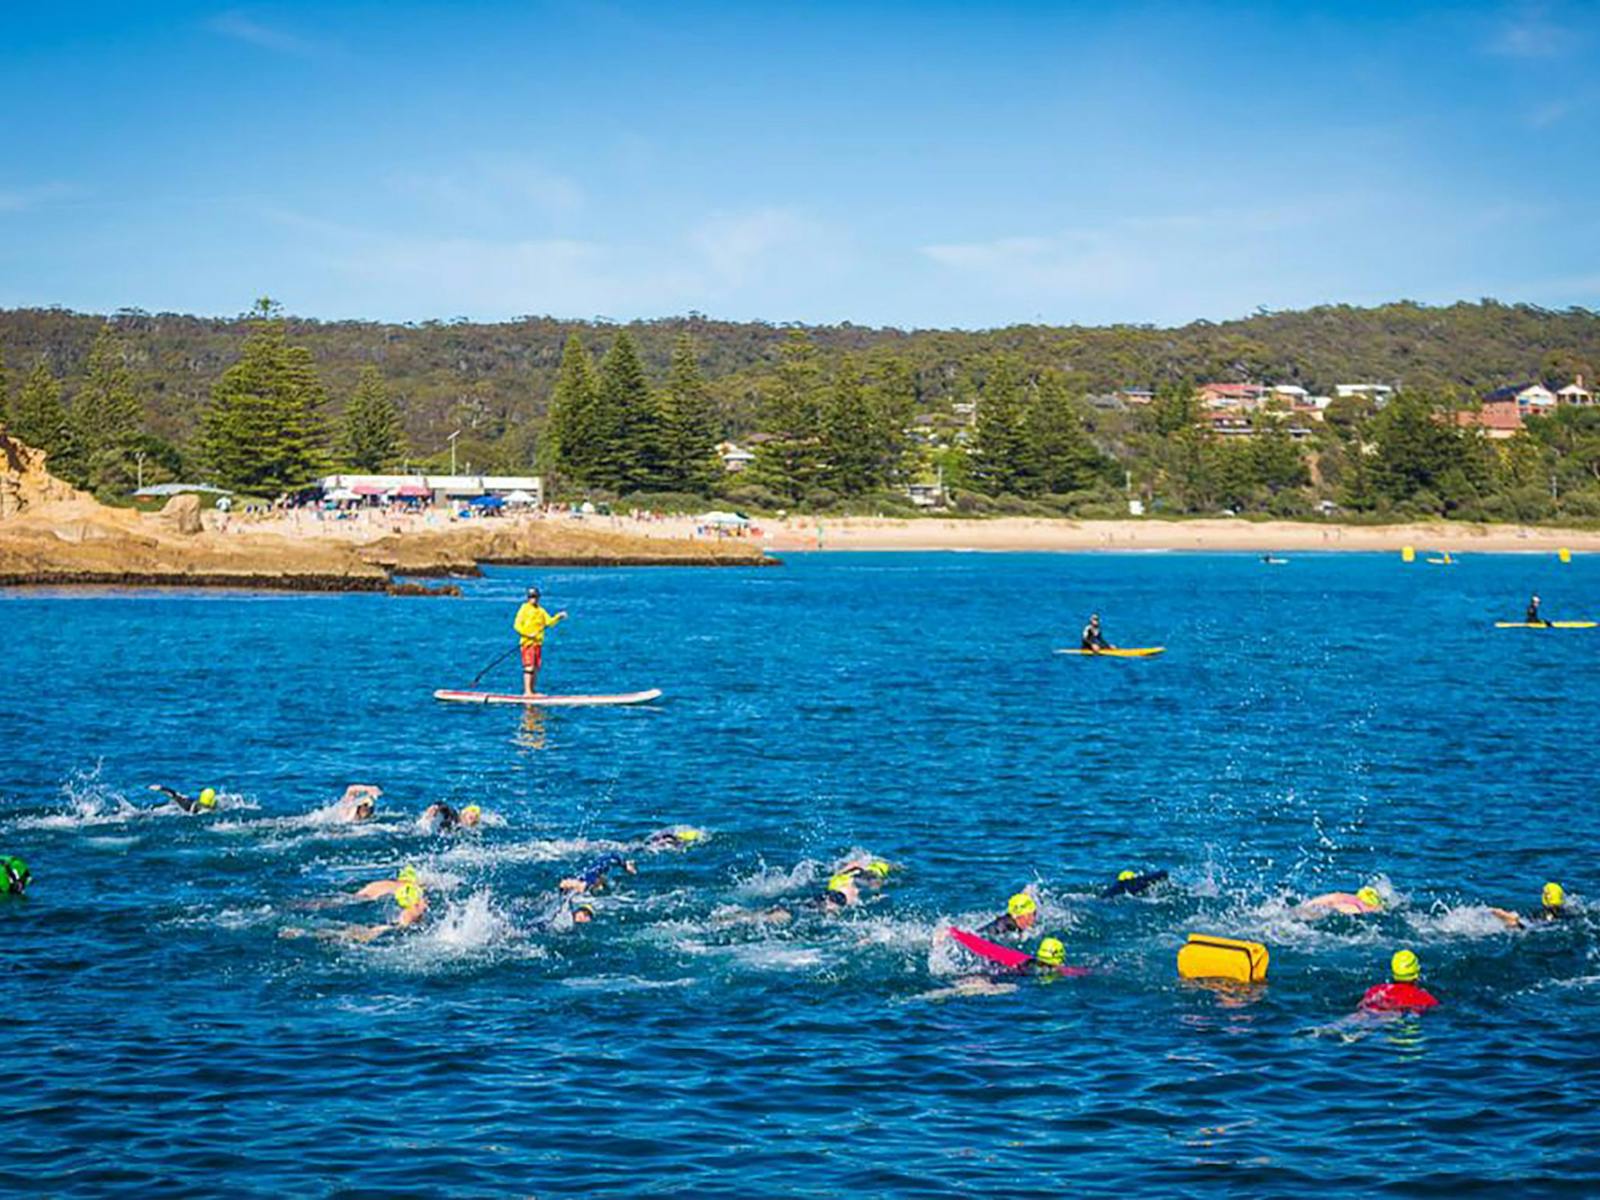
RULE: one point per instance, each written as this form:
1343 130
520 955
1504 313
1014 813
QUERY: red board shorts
532 656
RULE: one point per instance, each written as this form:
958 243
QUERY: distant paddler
1533 617
531 622
206 801
1552 907
1094 639
1352 904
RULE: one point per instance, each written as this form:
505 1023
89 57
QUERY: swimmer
842 892
359 802
1130 883
408 897
868 872
442 817
206 801
1403 994
1022 910
1552 907
14 875
378 889
596 876
1357 904
680 837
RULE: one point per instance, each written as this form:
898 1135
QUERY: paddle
498 660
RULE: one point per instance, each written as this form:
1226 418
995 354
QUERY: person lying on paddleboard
596 877
443 818
1552 907
1093 637
359 802
14 875
531 622
1533 617
1022 910
1130 883
1403 994
679 837
206 801
1351 904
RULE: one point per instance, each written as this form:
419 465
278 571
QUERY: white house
1575 393
1379 393
734 458
437 489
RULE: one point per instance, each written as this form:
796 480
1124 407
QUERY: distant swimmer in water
679 837
443 818
378 889
596 877
1093 637
840 893
868 872
1403 994
1357 904
1022 910
412 903
1533 617
1552 907
359 802
530 623
206 801
14 875
1130 883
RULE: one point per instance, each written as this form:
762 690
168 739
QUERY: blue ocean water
182 1013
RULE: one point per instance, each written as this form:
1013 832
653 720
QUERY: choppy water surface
1316 726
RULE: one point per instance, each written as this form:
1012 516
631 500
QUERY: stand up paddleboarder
532 620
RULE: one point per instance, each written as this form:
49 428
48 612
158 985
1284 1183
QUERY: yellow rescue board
1546 624
1120 652
1208 957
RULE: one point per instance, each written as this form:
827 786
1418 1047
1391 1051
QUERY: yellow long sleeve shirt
532 621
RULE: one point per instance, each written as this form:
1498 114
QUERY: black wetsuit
449 818
1093 638
189 804
1533 617
1136 886
1002 925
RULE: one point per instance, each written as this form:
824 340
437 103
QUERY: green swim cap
17 875
1021 905
880 868
1369 896
407 874
208 798
1051 952
1404 966
1124 876
408 895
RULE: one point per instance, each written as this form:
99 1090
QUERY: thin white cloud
738 247
20 199
243 28
1529 32
494 187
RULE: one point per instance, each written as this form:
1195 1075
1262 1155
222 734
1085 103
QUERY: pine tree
571 442
688 423
373 439
787 462
107 416
892 402
628 423
849 453
1000 456
1061 456
39 420
262 432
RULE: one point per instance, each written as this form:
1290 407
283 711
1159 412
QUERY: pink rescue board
544 699
1005 955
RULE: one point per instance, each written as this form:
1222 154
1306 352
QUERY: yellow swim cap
1021 905
689 836
1369 896
1404 966
471 812
1553 895
879 867
208 798
407 874
840 882
1124 876
408 895
1051 952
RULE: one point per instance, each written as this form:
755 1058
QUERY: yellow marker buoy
1564 554
1408 554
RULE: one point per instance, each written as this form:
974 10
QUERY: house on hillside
1530 398
1379 393
1575 393
1241 396
1498 419
734 458
1135 396
1226 422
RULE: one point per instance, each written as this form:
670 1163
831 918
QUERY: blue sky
906 164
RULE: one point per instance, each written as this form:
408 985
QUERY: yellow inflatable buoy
1207 957
1564 555
1408 554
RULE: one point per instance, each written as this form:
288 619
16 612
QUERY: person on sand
596 877
206 801
531 622
359 802
1552 907
1022 910
1351 904
1403 994
443 818
1093 637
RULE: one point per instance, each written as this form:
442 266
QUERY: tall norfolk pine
688 423
372 439
262 432
571 442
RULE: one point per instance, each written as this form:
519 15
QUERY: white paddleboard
545 700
